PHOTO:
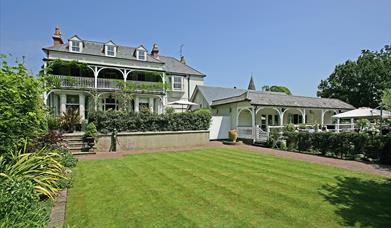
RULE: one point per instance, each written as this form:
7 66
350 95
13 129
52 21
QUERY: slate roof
211 93
171 64
283 100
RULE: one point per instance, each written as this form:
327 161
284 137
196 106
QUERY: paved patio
381 170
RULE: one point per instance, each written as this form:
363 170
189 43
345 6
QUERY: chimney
183 60
57 41
155 51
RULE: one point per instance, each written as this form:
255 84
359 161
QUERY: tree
276 88
360 83
386 100
22 113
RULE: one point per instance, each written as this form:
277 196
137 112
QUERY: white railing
102 83
245 132
75 82
261 135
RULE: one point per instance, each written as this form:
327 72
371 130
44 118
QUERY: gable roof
211 93
94 48
283 100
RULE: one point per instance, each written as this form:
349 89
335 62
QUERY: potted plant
90 135
233 135
70 119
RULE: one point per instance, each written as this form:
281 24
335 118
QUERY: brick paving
57 215
381 170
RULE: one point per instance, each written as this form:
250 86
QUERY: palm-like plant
41 167
70 119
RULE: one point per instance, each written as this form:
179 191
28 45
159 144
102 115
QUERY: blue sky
290 43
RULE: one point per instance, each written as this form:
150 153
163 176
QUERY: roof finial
251 84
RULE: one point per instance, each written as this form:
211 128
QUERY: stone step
82 153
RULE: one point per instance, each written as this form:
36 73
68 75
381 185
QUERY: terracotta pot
233 135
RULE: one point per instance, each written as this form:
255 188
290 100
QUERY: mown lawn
223 187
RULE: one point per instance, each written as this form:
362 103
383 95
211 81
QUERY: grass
223 187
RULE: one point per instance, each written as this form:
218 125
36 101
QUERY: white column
63 101
322 118
337 126
281 113
151 104
352 124
82 103
136 104
55 104
253 122
96 72
304 116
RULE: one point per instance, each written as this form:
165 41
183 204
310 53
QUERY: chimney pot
183 60
155 51
57 40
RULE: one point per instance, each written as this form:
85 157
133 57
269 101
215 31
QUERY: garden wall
127 141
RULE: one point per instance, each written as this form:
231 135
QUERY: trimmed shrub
123 121
346 145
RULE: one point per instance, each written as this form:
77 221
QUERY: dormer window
141 53
110 49
75 44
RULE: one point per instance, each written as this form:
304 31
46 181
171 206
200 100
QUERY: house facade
92 75
253 112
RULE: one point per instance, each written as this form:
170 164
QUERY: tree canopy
386 100
22 113
362 82
276 88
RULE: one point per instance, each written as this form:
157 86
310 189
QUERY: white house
108 64
252 112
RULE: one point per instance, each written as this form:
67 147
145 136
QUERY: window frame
73 42
173 83
114 51
144 55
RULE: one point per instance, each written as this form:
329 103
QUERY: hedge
132 122
345 145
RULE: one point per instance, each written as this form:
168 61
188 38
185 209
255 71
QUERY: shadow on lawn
360 202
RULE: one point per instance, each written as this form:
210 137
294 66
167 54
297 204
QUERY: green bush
346 145
170 110
129 121
90 130
22 113
385 152
20 205
41 168
54 122
304 141
66 158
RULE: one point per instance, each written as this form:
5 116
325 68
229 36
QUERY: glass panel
72 99
75 46
177 83
141 55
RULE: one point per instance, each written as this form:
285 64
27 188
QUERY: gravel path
381 170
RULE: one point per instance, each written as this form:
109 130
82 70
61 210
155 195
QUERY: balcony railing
71 82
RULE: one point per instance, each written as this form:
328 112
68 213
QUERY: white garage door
219 127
